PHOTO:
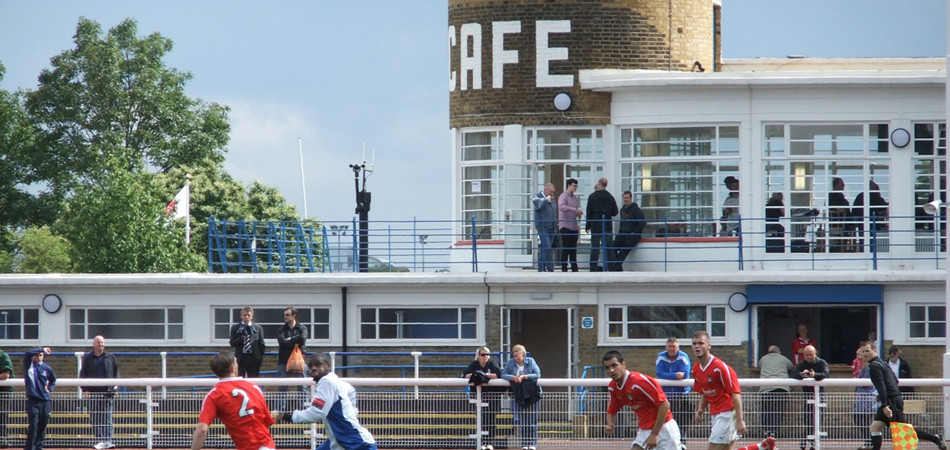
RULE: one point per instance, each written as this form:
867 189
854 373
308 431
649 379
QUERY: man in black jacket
632 223
892 404
292 333
100 399
810 367
601 208
899 366
247 338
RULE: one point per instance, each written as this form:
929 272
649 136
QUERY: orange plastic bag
903 436
295 363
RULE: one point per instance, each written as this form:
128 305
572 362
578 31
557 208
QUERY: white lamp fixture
933 207
900 137
562 101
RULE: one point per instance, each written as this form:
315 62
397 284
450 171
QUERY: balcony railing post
474 246
739 235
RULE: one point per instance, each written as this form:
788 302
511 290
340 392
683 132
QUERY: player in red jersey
719 387
239 404
643 393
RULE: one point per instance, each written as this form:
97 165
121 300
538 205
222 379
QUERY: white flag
179 207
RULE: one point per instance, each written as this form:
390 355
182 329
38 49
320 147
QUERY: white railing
443 413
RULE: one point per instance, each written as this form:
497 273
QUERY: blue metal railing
804 242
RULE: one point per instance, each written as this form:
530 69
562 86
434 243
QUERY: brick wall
619 34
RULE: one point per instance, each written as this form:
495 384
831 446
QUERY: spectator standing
569 211
774 365
247 338
865 397
810 367
523 374
800 342
240 406
39 380
545 221
479 372
334 404
720 390
631 227
657 428
900 367
730 208
891 403
601 208
6 395
100 400
774 230
673 364
291 334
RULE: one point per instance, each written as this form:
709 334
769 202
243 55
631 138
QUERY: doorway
836 328
544 333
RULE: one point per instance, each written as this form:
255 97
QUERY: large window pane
664 321
127 323
418 323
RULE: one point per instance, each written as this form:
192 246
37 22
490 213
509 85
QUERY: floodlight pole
942 211
363 199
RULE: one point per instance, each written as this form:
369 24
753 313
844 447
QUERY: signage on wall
587 322
467 41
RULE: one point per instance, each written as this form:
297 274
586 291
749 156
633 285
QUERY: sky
347 75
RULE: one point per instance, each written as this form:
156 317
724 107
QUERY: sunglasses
483 354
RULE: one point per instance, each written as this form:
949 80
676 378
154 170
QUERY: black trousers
568 249
37 414
248 366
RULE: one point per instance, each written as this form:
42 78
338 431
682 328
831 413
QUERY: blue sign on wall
587 322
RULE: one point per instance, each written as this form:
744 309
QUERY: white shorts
669 437
723 428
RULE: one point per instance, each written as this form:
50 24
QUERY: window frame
22 325
625 322
86 324
724 159
477 322
494 213
927 323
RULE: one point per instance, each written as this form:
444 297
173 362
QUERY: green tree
112 98
19 207
41 251
214 193
118 226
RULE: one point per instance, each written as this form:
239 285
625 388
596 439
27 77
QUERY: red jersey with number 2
241 407
643 393
717 382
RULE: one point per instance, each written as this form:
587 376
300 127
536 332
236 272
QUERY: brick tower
509 58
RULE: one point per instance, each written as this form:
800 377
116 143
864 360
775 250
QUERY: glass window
20 323
565 144
927 321
676 174
317 321
417 323
803 161
482 180
930 148
126 323
661 322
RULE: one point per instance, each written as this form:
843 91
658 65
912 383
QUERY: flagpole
303 183
188 210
